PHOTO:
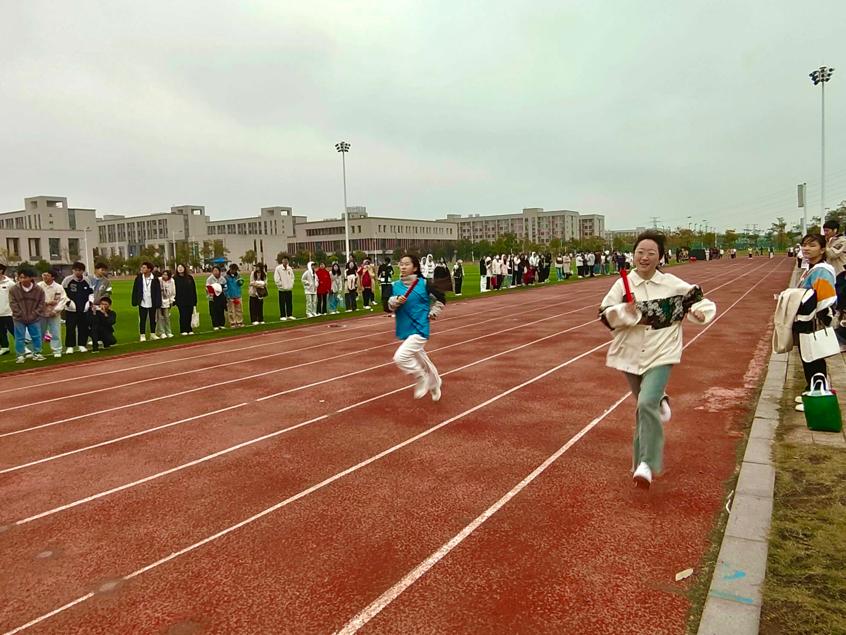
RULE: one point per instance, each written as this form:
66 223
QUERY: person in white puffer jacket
648 343
55 300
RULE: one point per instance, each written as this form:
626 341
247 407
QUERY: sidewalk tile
758 451
750 517
756 480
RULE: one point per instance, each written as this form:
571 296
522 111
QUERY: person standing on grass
7 325
186 298
216 293
483 275
283 276
55 300
309 280
458 275
411 304
441 278
647 343
26 300
351 287
234 307
77 317
817 307
324 288
386 282
336 296
147 296
168 286
366 281
566 263
258 292
103 327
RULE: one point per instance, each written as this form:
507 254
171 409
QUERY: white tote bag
195 318
818 344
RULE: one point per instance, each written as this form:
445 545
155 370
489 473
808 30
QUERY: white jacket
168 292
6 283
784 317
309 279
55 298
284 278
638 347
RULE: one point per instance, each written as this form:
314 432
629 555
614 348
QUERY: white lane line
376 607
270 435
380 603
315 487
261 374
123 438
306 386
292 332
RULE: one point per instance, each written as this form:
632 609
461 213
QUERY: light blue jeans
21 330
53 326
648 446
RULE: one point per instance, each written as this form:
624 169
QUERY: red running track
344 504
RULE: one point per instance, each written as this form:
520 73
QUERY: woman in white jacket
309 280
648 342
168 285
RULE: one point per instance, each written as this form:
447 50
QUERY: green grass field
126 328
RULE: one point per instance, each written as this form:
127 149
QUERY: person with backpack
412 306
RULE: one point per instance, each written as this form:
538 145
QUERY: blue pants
20 337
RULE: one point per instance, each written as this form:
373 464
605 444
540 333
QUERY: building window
101 230
73 248
35 248
55 248
13 246
112 237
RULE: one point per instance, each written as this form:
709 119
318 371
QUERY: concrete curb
734 599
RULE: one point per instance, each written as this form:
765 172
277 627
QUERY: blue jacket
233 286
412 318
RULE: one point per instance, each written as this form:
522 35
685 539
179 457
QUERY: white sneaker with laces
143 338
57 355
797 399
38 357
69 351
20 360
82 349
642 476
153 336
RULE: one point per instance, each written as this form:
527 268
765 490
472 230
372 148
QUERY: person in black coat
147 296
186 298
103 325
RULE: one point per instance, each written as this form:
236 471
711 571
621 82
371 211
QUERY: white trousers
311 303
412 359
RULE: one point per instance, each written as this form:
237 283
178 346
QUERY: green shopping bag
822 411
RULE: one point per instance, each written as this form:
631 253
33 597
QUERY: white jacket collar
636 280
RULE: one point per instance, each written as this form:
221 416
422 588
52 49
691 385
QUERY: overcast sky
632 109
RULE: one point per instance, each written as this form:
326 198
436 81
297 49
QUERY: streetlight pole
85 239
821 76
343 147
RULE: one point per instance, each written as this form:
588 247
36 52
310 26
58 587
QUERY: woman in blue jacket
411 304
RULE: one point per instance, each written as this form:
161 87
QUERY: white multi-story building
374 235
47 229
533 223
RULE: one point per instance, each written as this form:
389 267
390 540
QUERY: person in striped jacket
817 307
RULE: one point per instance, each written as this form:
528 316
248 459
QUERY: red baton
411 288
625 275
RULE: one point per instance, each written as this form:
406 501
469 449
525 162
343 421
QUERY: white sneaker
216 328
642 476
69 351
255 323
57 355
3 351
436 389
291 317
664 411
183 333
143 338
421 387
38 357
82 349
153 336
20 360
799 407
798 399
